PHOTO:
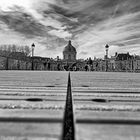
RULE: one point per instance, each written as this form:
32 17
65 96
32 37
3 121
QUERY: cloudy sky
90 24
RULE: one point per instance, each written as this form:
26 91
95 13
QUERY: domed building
69 52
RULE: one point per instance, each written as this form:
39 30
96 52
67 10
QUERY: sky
90 24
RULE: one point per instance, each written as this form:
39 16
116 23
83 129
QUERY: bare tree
27 50
14 50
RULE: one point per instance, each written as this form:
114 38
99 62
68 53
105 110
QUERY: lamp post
134 63
7 63
106 56
33 46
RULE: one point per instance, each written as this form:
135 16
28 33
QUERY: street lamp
33 46
106 56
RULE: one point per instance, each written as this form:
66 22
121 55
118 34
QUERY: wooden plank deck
21 118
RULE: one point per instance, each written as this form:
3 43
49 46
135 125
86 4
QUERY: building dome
69 52
69 48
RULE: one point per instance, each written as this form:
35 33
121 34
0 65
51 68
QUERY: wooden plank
46 130
107 132
30 113
93 118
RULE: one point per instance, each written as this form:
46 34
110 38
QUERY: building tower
69 52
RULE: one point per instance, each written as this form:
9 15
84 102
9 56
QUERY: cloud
60 33
122 29
17 25
6 4
90 24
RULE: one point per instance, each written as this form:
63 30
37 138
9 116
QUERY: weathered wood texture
114 115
